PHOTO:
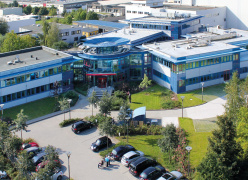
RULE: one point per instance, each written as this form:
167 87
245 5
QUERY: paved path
204 111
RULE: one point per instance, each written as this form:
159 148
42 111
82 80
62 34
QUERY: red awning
106 74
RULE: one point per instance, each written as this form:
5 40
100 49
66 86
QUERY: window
73 32
66 33
181 83
78 31
14 96
50 72
128 11
55 70
59 69
28 77
46 72
134 12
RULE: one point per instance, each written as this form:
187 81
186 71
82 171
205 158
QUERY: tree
52 12
223 152
43 11
15 3
21 122
27 41
45 28
63 13
27 10
61 45
68 19
4 27
242 129
169 141
105 104
63 104
91 16
4 133
234 98
12 145
23 165
145 83
93 100
106 128
53 35
123 114
35 10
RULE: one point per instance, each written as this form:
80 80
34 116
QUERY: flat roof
43 54
106 42
134 35
103 23
189 8
89 29
166 48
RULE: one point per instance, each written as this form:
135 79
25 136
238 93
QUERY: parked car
44 163
38 158
28 145
121 150
130 157
173 175
138 166
100 143
80 126
58 175
152 173
32 151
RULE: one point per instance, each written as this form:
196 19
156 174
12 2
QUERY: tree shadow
152 142
136 103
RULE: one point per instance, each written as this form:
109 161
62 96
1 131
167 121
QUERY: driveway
83 161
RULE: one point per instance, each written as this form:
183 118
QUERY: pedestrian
107 161
129 96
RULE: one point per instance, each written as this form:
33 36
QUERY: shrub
170 104
71 95
28 140
116 103
120 94
96 119
68 122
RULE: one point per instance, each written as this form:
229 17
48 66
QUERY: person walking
107 161
129 96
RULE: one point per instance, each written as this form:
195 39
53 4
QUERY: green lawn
205 125
48 20
197 140
189 100
33 109
151 98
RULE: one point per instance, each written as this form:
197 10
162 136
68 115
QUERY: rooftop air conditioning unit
9 63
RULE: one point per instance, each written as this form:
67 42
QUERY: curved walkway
204 111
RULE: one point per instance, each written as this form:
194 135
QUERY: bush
28 140
68 122
97 119
170 104
71 95
120 94
116 103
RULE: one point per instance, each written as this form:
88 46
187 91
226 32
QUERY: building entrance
226 75
102 82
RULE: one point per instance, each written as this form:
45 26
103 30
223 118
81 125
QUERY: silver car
130 157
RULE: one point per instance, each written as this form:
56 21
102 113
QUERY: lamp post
202 83
68 155
127 119
188 148
1 105
69 101
182 97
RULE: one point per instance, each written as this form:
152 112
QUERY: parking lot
83 162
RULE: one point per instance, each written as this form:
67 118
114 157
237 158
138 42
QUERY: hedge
68 122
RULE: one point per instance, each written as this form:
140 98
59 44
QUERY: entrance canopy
139 114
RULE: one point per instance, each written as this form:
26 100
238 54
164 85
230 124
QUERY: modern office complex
182 65
29 74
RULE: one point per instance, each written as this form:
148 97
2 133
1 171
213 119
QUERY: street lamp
202 83
127 119
69 101
188 148
1 105
68 155
182 97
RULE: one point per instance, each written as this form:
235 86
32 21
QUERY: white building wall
161 82
15 25
206 83
208 70
244 64
161 68
70 39
236 13
243 75
136 8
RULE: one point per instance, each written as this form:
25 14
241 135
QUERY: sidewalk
208 110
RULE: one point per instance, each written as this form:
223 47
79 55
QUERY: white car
173 175
130 157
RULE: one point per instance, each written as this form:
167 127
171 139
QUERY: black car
121 150
152 173
101 143
80 126
138 166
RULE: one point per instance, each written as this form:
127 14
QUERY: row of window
150 26
161 76
139 12
244 70
72 33
208 77
209 62
35 75
30 92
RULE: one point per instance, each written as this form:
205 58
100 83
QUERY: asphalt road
83 162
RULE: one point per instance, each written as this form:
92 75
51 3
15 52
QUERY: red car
28 145
44 163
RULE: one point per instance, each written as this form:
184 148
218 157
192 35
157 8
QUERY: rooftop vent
36 58
31 56
57 54
72 26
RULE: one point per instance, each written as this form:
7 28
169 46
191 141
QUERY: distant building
16 21
87 32
11 10
68 33
29 74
